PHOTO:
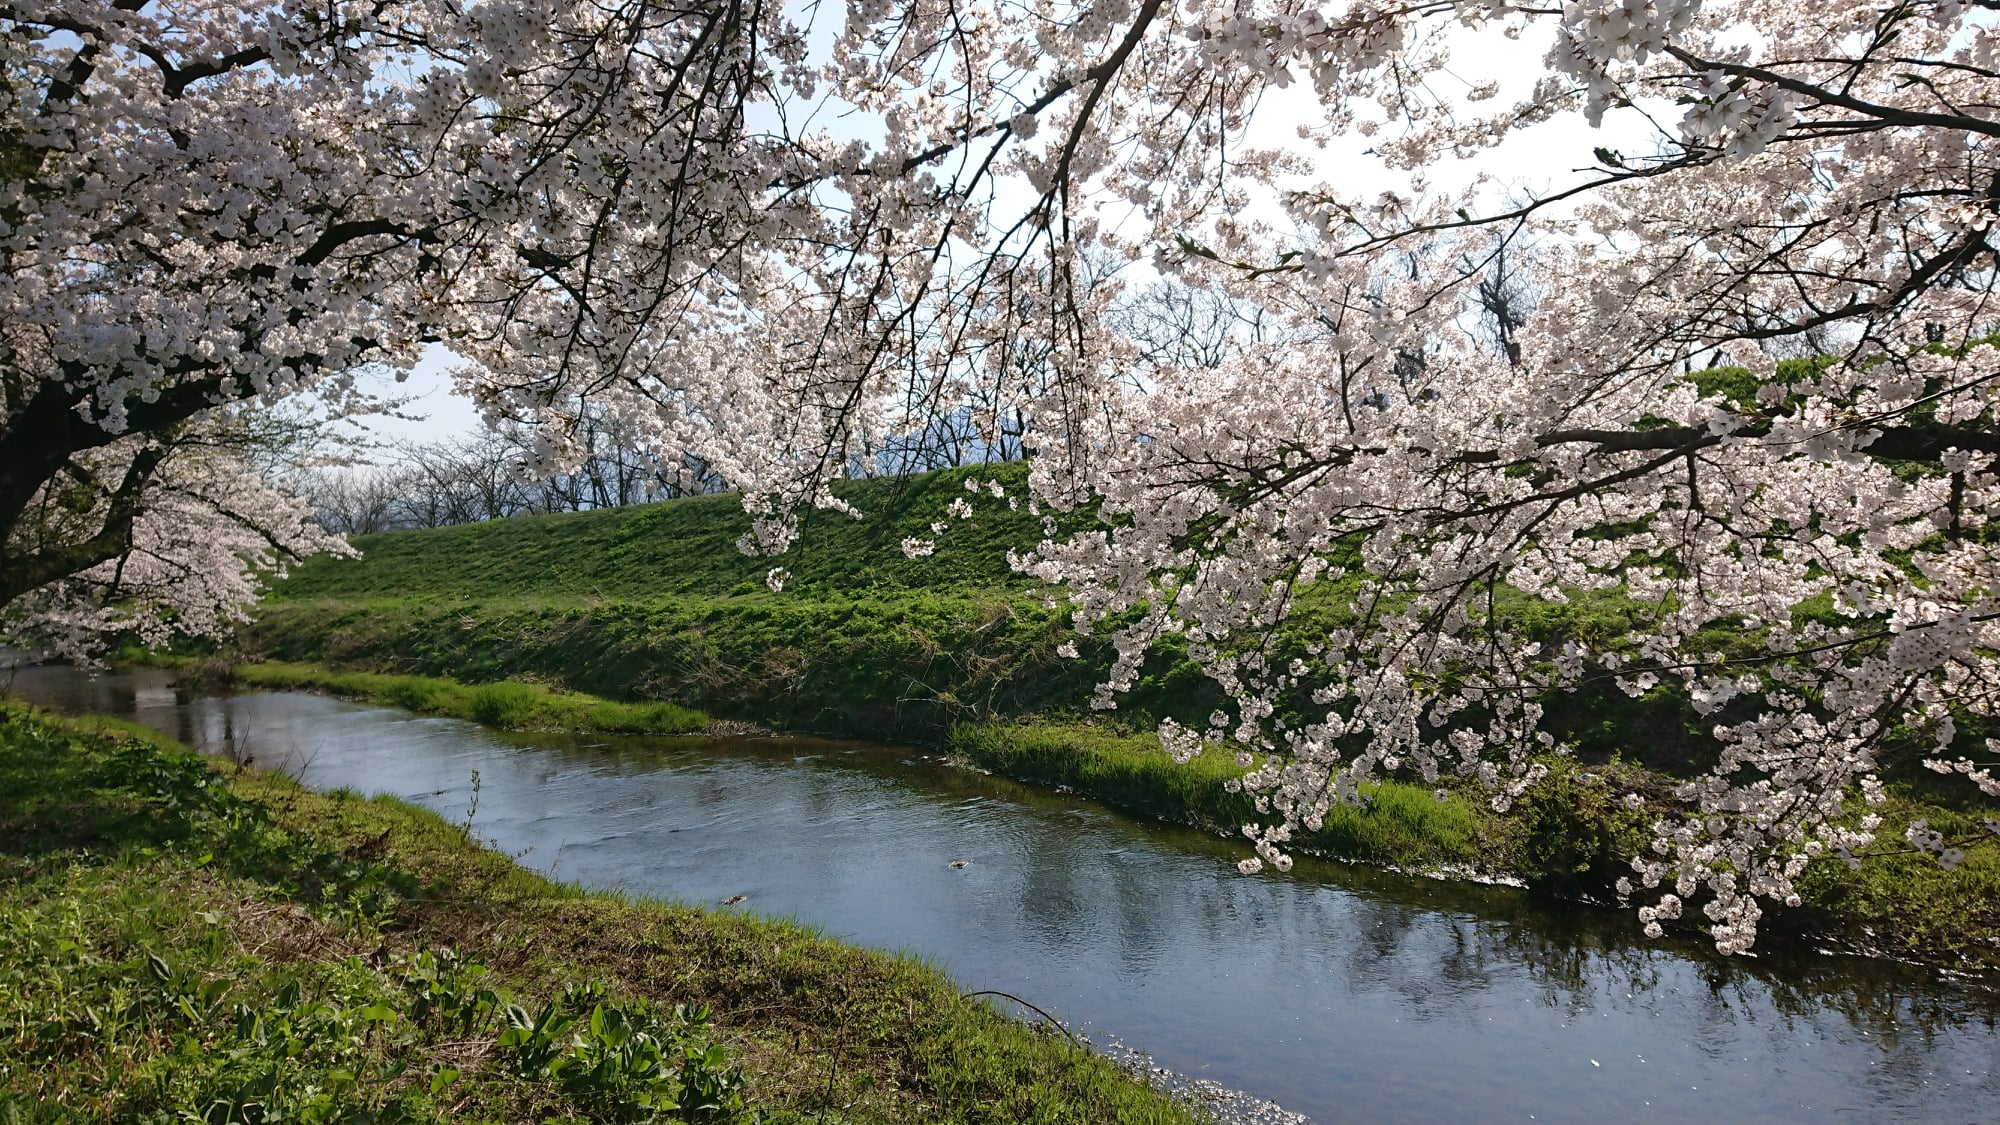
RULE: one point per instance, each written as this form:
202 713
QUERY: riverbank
1404 826
1565 838
502 704
178 936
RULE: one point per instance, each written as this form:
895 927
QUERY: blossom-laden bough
774 241
169 535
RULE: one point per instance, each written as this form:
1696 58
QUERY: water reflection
1344 993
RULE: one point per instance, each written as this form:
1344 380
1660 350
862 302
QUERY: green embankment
655 605
687 548
506 704
182 944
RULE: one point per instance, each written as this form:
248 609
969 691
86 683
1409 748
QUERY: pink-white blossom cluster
211 534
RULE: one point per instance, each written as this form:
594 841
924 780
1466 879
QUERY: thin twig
1056 1023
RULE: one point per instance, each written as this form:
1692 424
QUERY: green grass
687 548
1401 825
506 704
1910 906
182 944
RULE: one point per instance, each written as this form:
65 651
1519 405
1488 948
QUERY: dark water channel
1346 994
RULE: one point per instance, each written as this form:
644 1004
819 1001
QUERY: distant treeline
494 474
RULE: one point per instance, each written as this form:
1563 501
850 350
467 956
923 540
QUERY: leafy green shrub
180 785
206 1039
1573 830
449 992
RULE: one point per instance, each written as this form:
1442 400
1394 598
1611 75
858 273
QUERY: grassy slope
687 548
176 942
656 604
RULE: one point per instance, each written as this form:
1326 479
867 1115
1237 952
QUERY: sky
436 410
1546 155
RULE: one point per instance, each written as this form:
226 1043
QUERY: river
1343 993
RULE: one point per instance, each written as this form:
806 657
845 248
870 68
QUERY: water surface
1344 993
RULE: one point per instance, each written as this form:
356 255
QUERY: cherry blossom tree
1831 176
772 241
192 547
